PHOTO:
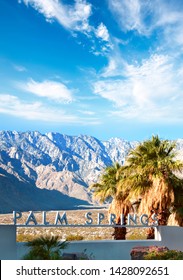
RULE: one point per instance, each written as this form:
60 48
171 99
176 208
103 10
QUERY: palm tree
45 248
150 174
107 188
107 185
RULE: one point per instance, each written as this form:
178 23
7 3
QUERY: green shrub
72 237
45 248
136 236
166 255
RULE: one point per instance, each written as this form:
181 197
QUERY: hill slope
51 171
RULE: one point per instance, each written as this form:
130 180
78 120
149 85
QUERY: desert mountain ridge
53 171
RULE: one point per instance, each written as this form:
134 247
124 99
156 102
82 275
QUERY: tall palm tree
107 188
150 174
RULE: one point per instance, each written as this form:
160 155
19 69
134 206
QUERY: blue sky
111 68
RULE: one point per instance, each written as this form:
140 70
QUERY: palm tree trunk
119 233
162 221
150 233
163 217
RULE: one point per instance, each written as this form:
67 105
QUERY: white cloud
80 15
174 37
71 17
102 32
53 90
36 111
152 90
129 14
12 105
115 67
113 90
145 16
75 18
110 69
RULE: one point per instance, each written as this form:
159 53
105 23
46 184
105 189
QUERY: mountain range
53 171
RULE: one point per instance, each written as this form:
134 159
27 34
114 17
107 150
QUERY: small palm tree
45 248
108 188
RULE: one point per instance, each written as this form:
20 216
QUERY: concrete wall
109 250
8 246
172 237
99 250
169 236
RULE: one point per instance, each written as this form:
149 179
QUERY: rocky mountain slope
53 171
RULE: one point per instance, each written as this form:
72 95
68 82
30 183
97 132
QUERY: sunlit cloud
148 91
50 89
145 17
102 32
37 111
74 18
130 14
70 17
